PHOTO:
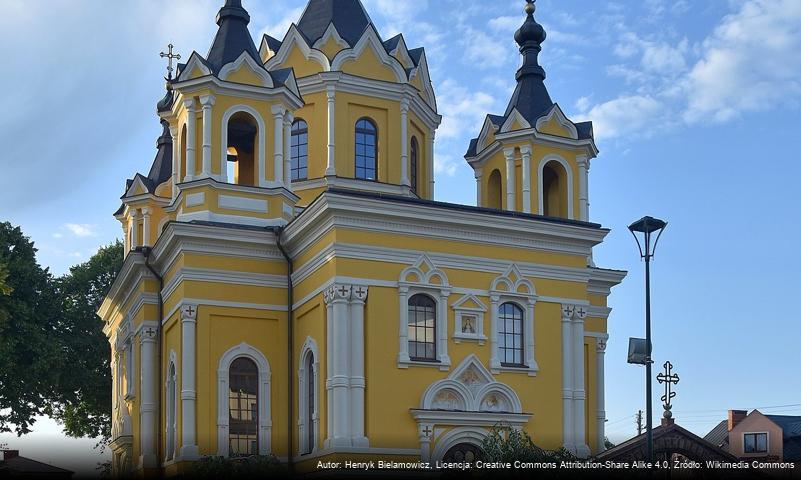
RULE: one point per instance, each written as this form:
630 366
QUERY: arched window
171 401
242 148
510 341
413 166
422 320
494 190
243 408
299 152
182 172
366 150
554 190
310 402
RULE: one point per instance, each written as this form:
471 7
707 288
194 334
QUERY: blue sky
696 105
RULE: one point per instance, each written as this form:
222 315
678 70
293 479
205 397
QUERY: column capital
360 292
146 212
525 150
583 161
580 313
207 100
135 213
338 293
330 92
189 104
404 105
278 110
478 172
568 311
189 313
174 133
509 153
600 345
289 117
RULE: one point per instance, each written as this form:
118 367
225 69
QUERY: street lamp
647 227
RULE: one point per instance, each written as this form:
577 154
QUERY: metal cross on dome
669 379
170 56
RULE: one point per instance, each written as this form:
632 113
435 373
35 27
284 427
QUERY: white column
525 152
189 450
191 130
331 169
288 119
134 228
531 362
328 297
176 162
425 435
403 315
207 101
495 300
115 403
148 407
584 197
278 161
479 174
357 381
442 328
340 382
567 378
600 350
509 154
579 391
145 227
430 165
404 138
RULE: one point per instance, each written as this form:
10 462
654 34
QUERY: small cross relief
567 311
189 312
150 332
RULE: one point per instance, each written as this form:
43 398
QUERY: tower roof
348 16
232 37
161 170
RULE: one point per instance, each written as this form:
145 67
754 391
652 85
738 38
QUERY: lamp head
647 226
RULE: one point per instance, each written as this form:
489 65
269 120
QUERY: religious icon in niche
469 325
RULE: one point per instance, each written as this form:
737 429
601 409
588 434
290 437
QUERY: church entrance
463 452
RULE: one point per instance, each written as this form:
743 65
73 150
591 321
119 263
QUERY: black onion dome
531 31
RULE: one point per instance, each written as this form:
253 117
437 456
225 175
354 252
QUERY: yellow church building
292 288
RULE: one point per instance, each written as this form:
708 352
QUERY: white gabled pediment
425 78
401 52
195 62
424 272
486 130
137 187
371 40
469 302
294 38
515 118
331 33
514 283
245 60
556 114
265 52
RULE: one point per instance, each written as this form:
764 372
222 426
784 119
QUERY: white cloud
625 115
462 109
81 230
446 165
278 29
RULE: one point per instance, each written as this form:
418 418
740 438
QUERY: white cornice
342 182
485 419
586 147
229 277
222 87
602 280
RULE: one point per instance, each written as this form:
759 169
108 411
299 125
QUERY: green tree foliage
5 289
82 399
245 467
28 324
508 445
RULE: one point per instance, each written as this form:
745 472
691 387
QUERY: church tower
533 159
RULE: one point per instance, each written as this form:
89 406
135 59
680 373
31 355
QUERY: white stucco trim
513 117
330 33
265 417
294 37
370 38
245 59
557 113
513 287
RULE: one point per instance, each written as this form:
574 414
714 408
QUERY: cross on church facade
669 379
427 431
150 332
170 57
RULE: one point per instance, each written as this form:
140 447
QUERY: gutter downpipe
146 251
279 232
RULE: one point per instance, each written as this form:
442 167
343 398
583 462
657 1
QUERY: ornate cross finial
669 379
170 56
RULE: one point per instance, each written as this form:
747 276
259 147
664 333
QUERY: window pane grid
243 408
511 334
422 325
299 150
756 442
366 150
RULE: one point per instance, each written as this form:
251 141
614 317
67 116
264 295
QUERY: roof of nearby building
719 435
791 434
23 465
348 16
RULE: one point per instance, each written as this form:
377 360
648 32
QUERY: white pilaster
191 133
425 435
567 379
145 227
340 381
584 196
403 351
329 362
207 101
278 162
600 351
479 174
148 407
357 380
331 169
509 154
495 301
404 135
288 119
134 228
525 152
430 164
176 162
189 449
531 362
442 327
579 391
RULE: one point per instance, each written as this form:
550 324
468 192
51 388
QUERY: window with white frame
512 330
422 321
172 396
755 442
308 398
469 320
510 342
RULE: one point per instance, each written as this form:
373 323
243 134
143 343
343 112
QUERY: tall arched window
182 168
170 420
366 149
422 321
510 341
310 402
413 166
554 190
300 150
242 147
243 408
494 190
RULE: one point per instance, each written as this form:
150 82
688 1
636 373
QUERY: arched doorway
463 452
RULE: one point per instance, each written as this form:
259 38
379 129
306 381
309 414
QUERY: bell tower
533 159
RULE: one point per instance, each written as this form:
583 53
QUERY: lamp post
647 227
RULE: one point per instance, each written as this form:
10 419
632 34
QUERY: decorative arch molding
423 277
428 92
513 287
243 350
292 38
331 33
261 163
513 117
483 137
195 61
472 435
513 282
569 180
246 60
557 114
370 38
304 423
